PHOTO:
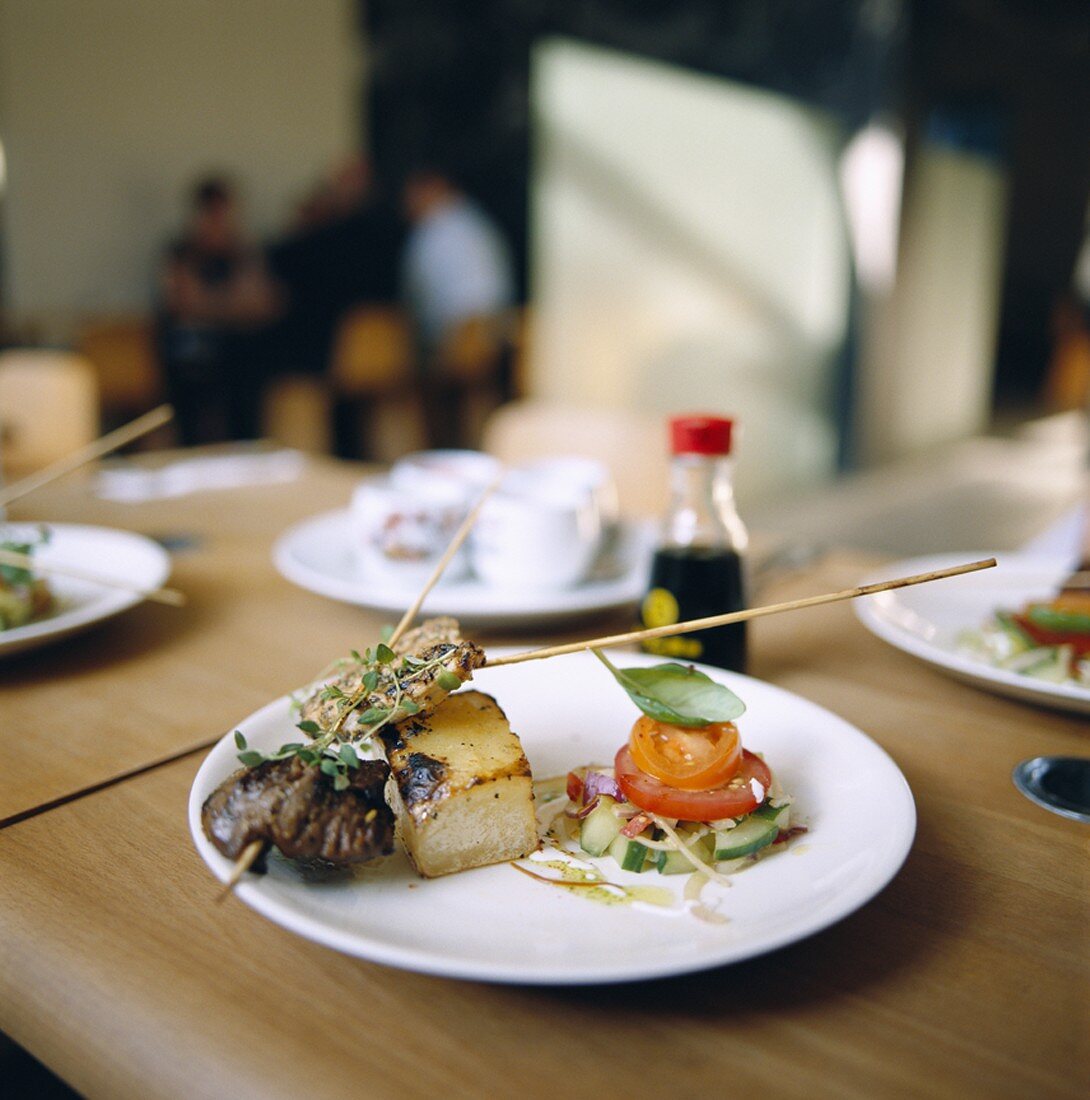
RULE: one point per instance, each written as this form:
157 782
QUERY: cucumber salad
683 795
1048 641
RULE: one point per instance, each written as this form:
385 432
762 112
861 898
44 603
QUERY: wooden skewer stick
100 447
250 853
244 862
440 567
740 616
26 561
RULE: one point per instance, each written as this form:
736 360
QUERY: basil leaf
676 694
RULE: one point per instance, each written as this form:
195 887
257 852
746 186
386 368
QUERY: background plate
105 551
926 620
495 924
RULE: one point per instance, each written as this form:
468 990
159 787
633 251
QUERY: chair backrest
122 352
372 352
48 407
473 350
632 444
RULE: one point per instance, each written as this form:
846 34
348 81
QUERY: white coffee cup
470 472
535 534
399 536
579 472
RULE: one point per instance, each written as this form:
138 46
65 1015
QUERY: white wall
689 252
109 109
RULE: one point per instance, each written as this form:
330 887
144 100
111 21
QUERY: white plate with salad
501 923
317 555
36 609
1003 629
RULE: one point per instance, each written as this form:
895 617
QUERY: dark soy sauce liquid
703 581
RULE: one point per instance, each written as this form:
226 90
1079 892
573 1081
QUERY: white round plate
316 555
495 924
104 551
925 620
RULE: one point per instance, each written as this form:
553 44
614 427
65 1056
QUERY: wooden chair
470 378
632 444
49 406
122 352
375 389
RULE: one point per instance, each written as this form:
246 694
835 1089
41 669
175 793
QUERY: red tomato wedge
700 759
743 794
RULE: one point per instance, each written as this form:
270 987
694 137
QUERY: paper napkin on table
149 478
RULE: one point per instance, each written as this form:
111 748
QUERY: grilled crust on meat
294 806
421 686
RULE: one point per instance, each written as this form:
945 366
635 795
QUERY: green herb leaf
447 680
370 681
348 755
408 707
328 765
308 756
384 654
374 714
386 633
240 741
340 782
676 694
251 758
356 656
308 726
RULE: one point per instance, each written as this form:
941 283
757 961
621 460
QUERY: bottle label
660 608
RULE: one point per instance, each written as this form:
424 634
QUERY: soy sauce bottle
698 566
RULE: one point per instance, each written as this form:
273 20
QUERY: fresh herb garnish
676 694
381 673
15 576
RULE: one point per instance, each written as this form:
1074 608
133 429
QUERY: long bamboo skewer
26 561
741 616
80 457
250 853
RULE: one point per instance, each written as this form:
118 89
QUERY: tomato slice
743 794
690 759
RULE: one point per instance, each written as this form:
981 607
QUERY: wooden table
967 976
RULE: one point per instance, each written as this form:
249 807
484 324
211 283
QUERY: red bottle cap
700 435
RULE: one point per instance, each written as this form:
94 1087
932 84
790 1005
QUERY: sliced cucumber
753 834
780 815
1052 663
630 854
674 863
600 829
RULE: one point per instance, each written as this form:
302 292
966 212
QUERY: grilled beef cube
461 788
294 806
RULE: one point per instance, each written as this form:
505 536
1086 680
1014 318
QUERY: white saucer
316 555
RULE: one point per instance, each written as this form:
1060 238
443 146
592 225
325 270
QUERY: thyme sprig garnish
382 675
15 575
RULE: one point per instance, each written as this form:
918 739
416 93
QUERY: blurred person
216 300
342 250
456 263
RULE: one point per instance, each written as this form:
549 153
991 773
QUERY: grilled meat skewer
294 806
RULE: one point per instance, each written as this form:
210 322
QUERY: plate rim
105 606
322 584
999 681
429 962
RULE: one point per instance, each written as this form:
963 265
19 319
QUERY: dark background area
450 84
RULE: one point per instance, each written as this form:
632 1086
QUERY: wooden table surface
967 976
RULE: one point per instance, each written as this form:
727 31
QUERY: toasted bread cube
461 787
